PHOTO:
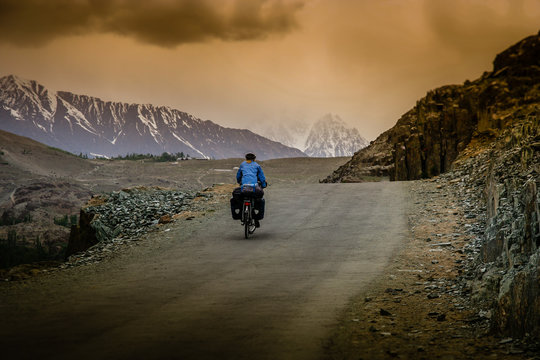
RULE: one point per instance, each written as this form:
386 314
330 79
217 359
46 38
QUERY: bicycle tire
247 220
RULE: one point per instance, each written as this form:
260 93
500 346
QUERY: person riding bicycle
251 173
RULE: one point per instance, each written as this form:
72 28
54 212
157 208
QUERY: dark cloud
477 26
164 23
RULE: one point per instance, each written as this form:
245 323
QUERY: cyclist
251 173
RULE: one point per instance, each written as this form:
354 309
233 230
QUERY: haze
245 62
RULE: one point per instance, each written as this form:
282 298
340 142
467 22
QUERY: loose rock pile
125 214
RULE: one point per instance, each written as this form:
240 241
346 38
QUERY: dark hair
250 156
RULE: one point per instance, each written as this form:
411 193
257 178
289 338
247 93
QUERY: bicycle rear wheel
246 228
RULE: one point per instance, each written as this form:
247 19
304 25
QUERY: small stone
384 312
392 353
165 219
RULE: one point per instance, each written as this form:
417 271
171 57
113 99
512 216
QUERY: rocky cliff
498 179
485 135
428 138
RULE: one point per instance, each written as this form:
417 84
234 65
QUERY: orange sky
239 62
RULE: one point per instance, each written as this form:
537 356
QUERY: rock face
88 125
428 138
512 237
502 177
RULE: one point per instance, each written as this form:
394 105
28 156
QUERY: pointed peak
14 81
331 119
9 79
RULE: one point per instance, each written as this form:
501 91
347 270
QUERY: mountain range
329 136
89 125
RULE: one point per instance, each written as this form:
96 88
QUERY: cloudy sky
243 62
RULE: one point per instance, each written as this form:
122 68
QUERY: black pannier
250 190
237 194
258 209
236 208
236 205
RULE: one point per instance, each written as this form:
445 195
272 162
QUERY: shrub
62 221
12 254
8 218
164 157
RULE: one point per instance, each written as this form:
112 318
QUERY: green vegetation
8 218
164 157
12 254
66 221
62 151
2 162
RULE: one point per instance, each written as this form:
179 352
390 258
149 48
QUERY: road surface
202 291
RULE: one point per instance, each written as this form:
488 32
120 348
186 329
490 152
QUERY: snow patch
99 156
184 141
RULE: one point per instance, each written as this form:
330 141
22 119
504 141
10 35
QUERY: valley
40 185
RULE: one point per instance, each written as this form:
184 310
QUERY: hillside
484 136
428 138
89 125
26 158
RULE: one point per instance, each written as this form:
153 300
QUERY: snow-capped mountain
289 132
85 124
330 137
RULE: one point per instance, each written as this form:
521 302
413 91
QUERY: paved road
204 292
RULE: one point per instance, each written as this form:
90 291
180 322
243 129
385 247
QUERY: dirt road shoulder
418 309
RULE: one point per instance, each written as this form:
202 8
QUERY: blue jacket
249 173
